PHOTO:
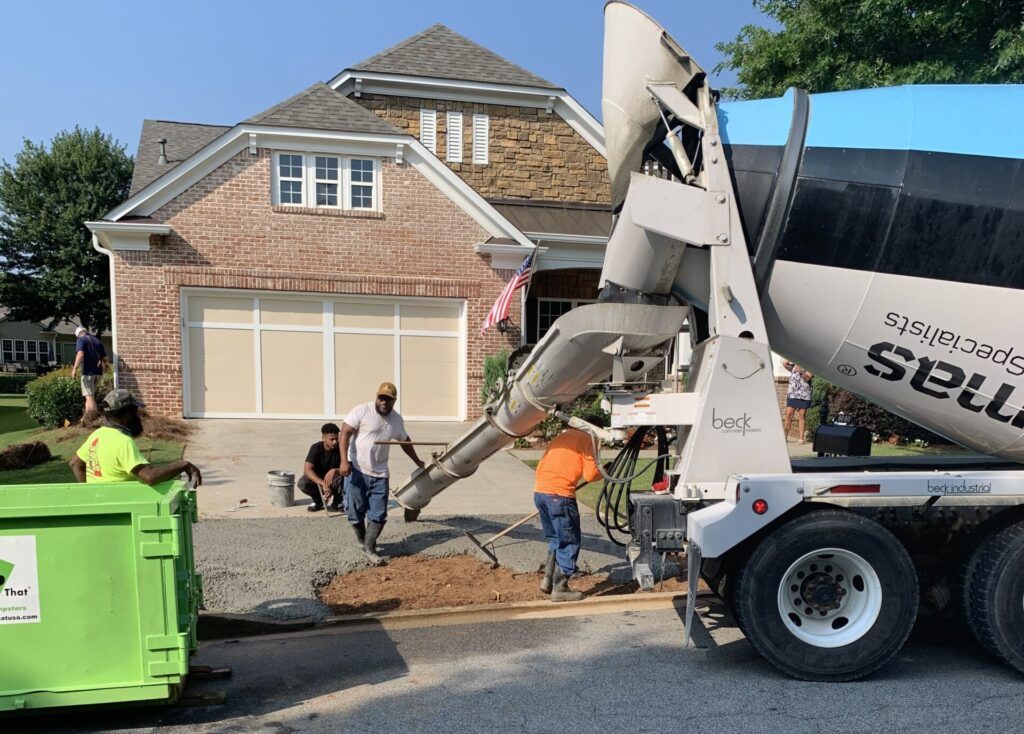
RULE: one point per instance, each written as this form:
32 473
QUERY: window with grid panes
327 177
362 183
19 350
31 353
290 174
44 351
8 350
548 312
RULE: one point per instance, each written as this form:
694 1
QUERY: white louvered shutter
481 128
428 129
453 152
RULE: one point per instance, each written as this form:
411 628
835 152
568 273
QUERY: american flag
499 311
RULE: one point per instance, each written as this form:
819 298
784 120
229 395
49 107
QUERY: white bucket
281 485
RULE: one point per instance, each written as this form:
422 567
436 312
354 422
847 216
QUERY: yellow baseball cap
388 389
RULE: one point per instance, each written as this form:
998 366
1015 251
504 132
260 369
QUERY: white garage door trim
328 329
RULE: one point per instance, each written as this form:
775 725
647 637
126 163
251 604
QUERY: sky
110 64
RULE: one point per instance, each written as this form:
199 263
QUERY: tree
832 45
51 273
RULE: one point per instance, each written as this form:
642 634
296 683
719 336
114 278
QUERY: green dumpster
98 593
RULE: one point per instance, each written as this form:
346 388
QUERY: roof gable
183 139
321 108
441 53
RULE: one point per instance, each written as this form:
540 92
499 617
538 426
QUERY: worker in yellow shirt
110 454
568 459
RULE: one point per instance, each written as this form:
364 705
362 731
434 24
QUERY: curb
216 626
220 625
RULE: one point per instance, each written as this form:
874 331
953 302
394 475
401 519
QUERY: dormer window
319 181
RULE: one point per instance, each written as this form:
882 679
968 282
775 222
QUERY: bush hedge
495 367
56 398
14 384
884 426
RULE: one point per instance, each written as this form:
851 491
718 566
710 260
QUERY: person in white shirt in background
364 464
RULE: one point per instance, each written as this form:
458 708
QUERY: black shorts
798 404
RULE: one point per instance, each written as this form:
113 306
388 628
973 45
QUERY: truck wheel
829 596
995 603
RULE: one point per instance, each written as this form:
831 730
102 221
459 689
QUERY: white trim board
404 85
234 141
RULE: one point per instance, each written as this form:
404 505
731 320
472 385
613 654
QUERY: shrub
495 368
14 384
587 403
56 398
884 426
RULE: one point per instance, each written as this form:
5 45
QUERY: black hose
614 503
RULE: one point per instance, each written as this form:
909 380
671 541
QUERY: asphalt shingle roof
441 53
321 108
183 139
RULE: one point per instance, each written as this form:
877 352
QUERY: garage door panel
291 312
354 315
430 376
220 309
292 372
222 371
429 318
361 363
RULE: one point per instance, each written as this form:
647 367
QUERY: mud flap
693 562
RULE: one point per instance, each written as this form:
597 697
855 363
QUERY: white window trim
277 178
19 352
453 137
44 351
573 303
428 129
6 347
481 139
309 180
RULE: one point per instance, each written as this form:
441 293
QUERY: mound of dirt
24 455
421 582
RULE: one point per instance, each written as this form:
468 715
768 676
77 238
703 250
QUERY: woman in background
798 398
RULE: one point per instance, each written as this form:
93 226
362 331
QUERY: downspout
113 305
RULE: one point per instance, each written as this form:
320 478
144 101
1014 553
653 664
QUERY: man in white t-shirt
364 464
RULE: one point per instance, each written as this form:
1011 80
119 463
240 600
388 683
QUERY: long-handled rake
490 541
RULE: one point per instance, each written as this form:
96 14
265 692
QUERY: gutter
113 305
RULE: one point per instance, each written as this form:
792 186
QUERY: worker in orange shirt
569 458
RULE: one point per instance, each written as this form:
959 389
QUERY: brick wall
533 154
226 234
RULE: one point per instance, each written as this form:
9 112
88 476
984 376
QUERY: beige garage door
270 355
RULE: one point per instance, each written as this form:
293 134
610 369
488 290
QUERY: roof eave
550 98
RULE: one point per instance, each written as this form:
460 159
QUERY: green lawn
12 414
16 427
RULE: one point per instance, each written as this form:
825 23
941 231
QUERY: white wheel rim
829 597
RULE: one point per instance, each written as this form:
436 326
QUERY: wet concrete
273 566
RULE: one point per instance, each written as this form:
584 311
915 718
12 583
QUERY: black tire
995 604
758 590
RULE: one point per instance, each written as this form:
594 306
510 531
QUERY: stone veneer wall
533 154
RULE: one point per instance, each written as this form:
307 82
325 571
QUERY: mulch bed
421 582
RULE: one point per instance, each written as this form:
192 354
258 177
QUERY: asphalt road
617 672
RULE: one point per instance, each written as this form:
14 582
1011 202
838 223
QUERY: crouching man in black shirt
321 470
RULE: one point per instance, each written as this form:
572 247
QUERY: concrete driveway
235 456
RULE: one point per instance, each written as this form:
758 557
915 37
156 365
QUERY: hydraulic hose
614 503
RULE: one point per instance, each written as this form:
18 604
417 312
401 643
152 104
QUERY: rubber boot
560 590
360 530
549 572
373 530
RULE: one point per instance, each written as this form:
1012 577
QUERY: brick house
357 232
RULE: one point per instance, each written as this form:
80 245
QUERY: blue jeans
366 497
560 518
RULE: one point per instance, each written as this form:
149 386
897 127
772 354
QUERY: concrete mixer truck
875 237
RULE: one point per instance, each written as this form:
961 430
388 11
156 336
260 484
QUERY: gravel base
272 567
